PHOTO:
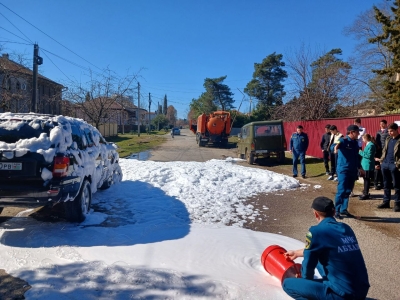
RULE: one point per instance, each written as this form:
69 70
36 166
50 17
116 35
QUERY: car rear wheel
77 209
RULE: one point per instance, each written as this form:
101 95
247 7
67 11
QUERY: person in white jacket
362 132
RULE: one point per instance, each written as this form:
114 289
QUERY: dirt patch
12 288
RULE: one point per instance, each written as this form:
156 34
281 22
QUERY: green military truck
261 139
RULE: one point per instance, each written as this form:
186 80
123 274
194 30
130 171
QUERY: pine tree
390 38
266 85
165 107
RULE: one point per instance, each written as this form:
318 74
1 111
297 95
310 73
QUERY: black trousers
378 178
367 181
333 157
391 178
326 160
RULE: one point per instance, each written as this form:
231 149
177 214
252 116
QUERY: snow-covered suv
45 160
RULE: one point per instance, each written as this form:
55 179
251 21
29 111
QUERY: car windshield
13 130
267 130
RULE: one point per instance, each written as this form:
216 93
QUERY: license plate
11 166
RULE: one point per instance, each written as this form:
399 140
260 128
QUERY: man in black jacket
325 147
380 139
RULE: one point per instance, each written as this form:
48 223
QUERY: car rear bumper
29 195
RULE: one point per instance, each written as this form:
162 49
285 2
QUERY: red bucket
277 264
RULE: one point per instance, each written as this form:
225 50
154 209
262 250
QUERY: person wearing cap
298 147
325 147
348 169
390 164
333 249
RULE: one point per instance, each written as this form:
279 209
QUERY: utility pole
149 112
37 60
158 119
138 104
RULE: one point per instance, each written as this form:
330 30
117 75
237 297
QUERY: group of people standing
357 153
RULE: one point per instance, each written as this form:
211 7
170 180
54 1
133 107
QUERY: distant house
107 110
16 89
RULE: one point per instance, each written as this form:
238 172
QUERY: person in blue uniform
298 147
333 249
348 170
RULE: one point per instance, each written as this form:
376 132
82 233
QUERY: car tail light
253 146
60 168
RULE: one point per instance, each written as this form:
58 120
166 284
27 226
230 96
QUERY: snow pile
214 191
144 239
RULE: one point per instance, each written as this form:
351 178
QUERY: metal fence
315 129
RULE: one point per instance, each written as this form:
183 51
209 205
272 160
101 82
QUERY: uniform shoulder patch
308 240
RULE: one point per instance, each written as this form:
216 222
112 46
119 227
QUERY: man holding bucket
332 248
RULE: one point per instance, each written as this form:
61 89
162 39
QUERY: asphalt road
289 213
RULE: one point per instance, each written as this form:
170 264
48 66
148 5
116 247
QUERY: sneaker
303 176
294 175
364 197
396 207
338 216
336 179
330 177
377 187
327 173
384 205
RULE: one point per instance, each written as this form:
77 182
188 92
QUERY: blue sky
176 44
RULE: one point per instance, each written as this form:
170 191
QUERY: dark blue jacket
348 157
335 247
299 142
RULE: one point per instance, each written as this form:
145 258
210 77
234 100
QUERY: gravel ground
377 231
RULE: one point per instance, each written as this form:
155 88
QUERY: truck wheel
281 157
249 158
77 209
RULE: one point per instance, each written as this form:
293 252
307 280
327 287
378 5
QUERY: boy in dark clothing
325 147
380 139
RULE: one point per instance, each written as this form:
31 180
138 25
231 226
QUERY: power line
12 42
15 27
71 62
50 37
44 52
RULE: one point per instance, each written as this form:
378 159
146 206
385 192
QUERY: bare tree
101 99
368 56
171 115
319 85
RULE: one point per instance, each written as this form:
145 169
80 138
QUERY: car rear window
13 130
268 130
